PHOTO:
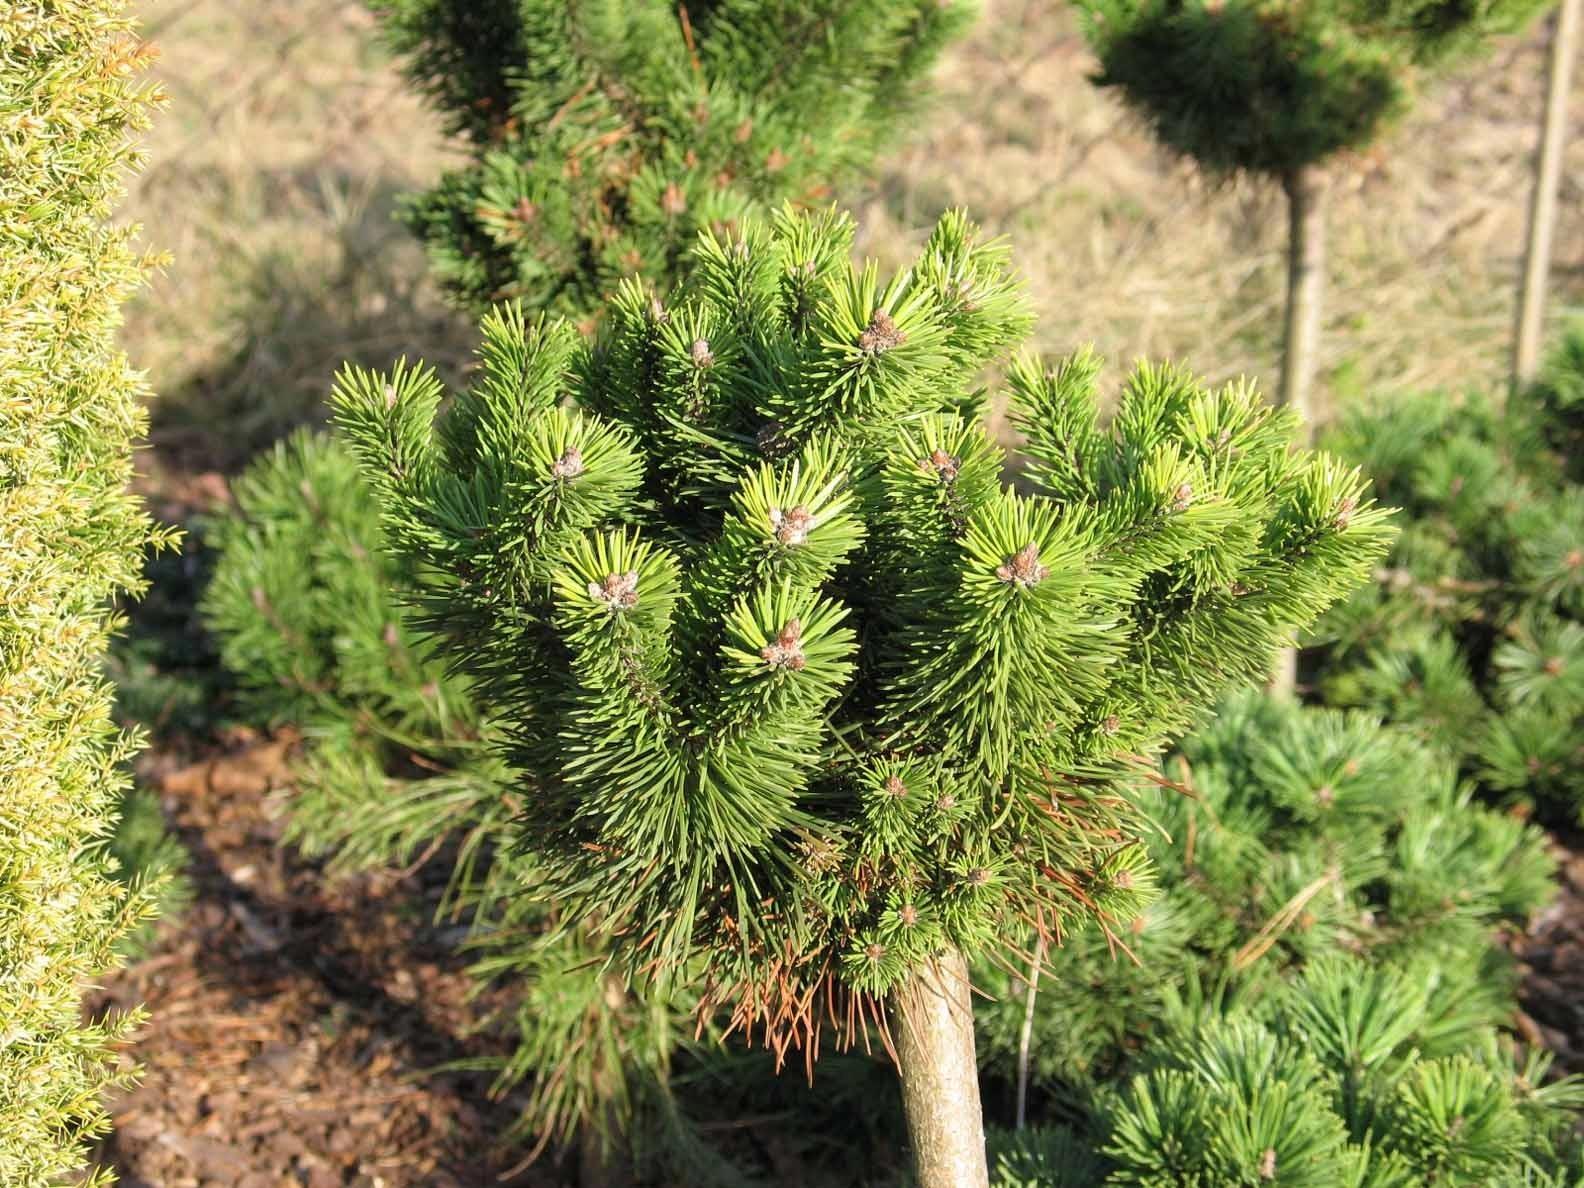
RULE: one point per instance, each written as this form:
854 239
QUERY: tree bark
1529 336
1306 228
1306 262
932 1030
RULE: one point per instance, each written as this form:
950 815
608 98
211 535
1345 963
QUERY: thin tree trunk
1530 334
932 1029
1305 187
1026 1033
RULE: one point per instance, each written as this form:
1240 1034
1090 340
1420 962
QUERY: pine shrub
806 699
1474 634
1312 1006
603 136
1288 836
1315 991
71 541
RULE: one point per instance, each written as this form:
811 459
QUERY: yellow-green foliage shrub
71 541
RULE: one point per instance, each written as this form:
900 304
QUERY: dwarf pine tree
603 136
1474 634
810 703
71 540
1315 996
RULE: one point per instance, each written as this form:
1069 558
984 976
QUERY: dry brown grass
274 174
272 182
1133 250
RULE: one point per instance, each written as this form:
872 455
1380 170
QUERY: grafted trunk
932 1029
1306 263
1529 336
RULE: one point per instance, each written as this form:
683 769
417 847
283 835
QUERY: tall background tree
1530 332
809 703
1282 90
71 541
603 136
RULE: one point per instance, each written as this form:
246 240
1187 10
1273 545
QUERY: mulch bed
1551 960
297 1022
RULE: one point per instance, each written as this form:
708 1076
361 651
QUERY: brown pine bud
791 528
945 466
881 335
1023 569
787 649
619 591
569 465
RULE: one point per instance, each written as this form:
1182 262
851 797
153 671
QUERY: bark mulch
1551 962
296 1022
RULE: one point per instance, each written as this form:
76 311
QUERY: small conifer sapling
811 703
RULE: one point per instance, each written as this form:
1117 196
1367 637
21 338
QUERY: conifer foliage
603 136
71 539
807 698
1474 636
1314 998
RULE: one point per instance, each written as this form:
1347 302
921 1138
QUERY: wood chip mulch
297 1022
1551 962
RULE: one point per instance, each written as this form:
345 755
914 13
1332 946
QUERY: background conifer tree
1304 925
604 136
1279 91
809 703
1474 636
71 541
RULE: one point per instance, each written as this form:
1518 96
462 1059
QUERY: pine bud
701 353
1267 1167
1344 513
525 211
1023 569
791 528
618 592
945 466
787 650
1110 725
908 914
569 465
882 334
673 201
895 788
1182 498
